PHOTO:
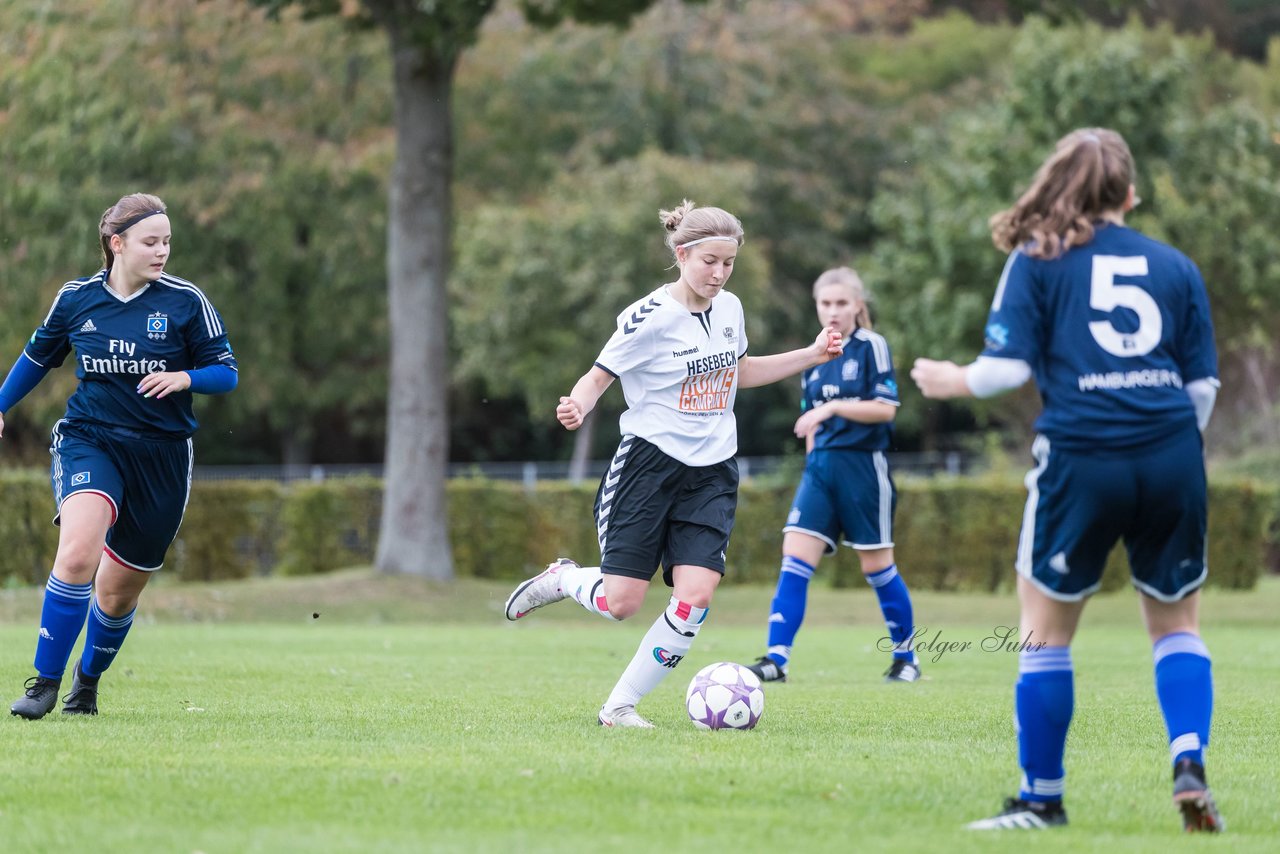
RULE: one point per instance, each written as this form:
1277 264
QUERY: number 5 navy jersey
169 325
1112 331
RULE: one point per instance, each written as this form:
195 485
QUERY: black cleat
768 670
41 697
1023 815
902 671
83 699
1191 795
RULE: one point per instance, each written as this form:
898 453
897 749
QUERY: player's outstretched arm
985 377
573 409
940 380
761 370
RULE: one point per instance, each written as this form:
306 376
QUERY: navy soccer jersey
169 325
1110 358
863 372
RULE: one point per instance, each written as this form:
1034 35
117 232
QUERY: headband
134 220
705 239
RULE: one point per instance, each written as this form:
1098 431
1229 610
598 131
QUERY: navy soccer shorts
651 509
147 482
1080 503
847 492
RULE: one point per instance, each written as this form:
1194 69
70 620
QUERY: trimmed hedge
953 533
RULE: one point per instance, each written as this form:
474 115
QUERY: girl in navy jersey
671 491
849 404
144 341
1115 328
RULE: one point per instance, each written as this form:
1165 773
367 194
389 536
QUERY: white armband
989 376
1203 393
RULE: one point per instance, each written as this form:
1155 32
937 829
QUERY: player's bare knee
76 564
624 606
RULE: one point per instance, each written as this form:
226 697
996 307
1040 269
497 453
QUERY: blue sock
787 611
1043 701
1184 686
102 640
61 619
895 604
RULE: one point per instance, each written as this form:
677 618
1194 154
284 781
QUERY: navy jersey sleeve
884 386
1198 357
1013 325
51 342
206 338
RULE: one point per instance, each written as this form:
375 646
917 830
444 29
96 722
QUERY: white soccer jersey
679 372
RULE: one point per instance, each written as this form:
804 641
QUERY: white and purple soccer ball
724 695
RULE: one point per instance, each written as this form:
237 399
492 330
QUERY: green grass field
412 717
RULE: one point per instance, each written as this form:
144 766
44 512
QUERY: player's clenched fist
569 413
830 343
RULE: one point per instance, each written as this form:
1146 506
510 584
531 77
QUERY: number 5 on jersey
1106 295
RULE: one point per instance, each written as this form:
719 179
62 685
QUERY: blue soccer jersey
169 325
1111 356
863 372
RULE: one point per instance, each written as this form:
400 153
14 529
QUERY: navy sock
895 605
1184 686
102 640
787 611
61 618
1044 699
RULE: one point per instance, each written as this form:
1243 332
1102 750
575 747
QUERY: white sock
666 643
585 585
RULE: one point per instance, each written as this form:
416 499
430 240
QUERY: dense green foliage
272 159
839 138
951 533
1204 157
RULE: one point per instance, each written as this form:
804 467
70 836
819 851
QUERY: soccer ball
724 695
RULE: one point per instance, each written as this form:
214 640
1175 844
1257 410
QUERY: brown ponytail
1088 174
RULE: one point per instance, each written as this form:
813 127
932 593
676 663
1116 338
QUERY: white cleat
1022 815
623 716
543 589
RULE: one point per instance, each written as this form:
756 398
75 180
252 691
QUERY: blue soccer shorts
845 492
652 509
1080 503
146 481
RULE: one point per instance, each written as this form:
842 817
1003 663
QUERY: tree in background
269 148
1242 27
1202 162
426 41
538 287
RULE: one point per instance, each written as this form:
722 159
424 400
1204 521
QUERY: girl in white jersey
671 491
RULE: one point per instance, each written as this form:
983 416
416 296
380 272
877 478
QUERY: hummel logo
88 326
44 633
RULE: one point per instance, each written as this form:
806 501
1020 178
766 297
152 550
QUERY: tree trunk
414 534
582 448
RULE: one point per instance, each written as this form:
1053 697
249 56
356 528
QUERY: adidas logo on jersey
88 326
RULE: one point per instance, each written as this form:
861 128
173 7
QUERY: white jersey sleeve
631 344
